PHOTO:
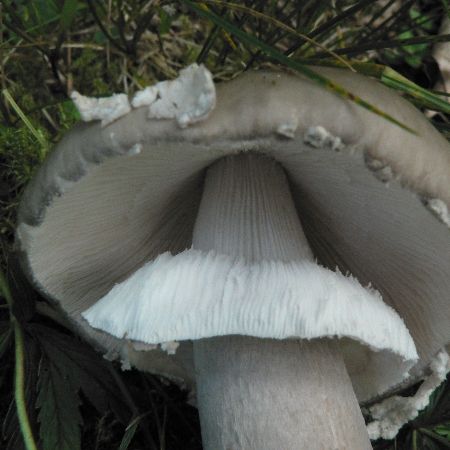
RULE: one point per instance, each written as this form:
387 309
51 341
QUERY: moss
20 155
92 74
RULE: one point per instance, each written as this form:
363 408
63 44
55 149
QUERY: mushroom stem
266 394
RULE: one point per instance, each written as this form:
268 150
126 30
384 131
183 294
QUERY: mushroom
441 54
279 247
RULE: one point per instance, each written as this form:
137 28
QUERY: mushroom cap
373 197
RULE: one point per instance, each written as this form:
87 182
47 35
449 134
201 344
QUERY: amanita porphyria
279 247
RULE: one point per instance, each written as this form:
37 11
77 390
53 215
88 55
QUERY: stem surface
266 394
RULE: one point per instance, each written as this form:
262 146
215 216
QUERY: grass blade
280 57
279 24
130 431
43 143
379 45
442 440
392 79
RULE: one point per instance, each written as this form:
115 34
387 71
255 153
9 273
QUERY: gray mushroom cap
374 199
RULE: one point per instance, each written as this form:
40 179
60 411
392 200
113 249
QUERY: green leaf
436 438
130 431
84 369
100 37
68 367
41 11
58 402
60 381
165 22
443 430
68 13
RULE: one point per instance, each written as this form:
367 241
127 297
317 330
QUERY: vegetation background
73 398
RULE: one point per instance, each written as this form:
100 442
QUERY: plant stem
19 376
19 393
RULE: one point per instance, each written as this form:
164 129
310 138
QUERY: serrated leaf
58 402
68 367
85 369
